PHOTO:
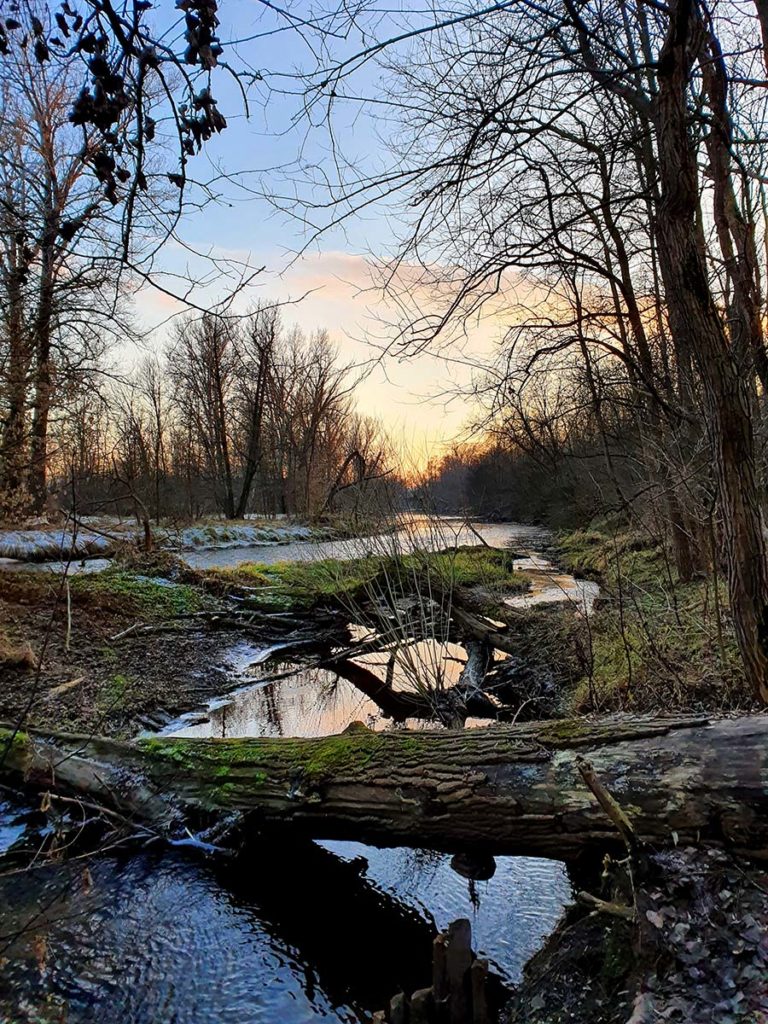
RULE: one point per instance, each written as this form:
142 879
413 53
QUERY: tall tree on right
689 102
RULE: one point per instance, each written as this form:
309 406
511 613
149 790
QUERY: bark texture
699 331
505 789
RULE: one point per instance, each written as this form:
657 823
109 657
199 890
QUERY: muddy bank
696 950
149 638
72 658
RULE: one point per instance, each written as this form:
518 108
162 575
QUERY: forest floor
68 670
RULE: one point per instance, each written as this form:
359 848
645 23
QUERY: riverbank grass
653 640
338 581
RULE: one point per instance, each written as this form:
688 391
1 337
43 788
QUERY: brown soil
103 685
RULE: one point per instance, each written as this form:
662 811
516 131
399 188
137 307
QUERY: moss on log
505 789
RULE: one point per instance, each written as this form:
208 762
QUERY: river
284 934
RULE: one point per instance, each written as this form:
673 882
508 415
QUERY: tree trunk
698 328
502 790
14 456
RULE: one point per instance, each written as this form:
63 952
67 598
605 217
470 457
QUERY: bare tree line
61 298
235 418
607 159
232 410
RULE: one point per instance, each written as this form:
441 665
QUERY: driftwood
505 789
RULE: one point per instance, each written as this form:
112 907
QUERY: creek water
283 934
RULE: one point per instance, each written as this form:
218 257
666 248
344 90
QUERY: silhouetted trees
235 418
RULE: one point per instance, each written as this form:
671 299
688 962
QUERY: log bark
501 790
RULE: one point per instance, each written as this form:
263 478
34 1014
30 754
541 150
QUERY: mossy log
504 789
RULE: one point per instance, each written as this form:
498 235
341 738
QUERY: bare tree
593 144
60 299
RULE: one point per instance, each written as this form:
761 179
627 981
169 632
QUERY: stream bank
241 943
176 671
150 638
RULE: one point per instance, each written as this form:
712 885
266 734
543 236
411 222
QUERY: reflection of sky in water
422 533
310 701
549 585
287 935
511 914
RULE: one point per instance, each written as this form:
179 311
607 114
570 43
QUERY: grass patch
655 642
340 581
118 589
604 556
115 695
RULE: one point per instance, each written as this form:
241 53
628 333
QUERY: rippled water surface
287 934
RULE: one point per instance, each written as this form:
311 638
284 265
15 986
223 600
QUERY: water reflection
285 934
313 702
425 533
549 585
309 700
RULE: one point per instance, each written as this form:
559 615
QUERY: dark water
285 933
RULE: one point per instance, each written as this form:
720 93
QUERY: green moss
116 694
124 590
175 750
252 761
13 741
339 754
565 731
658 641
618 954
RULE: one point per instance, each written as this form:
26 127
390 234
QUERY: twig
68 637
611 807
621 910
125 632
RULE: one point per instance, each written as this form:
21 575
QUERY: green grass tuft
656 642
332 580
124 590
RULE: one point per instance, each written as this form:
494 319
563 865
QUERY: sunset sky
414 397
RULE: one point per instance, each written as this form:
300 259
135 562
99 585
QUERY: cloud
424 399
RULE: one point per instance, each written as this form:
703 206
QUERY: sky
325 281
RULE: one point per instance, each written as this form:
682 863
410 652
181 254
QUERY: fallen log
501 790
